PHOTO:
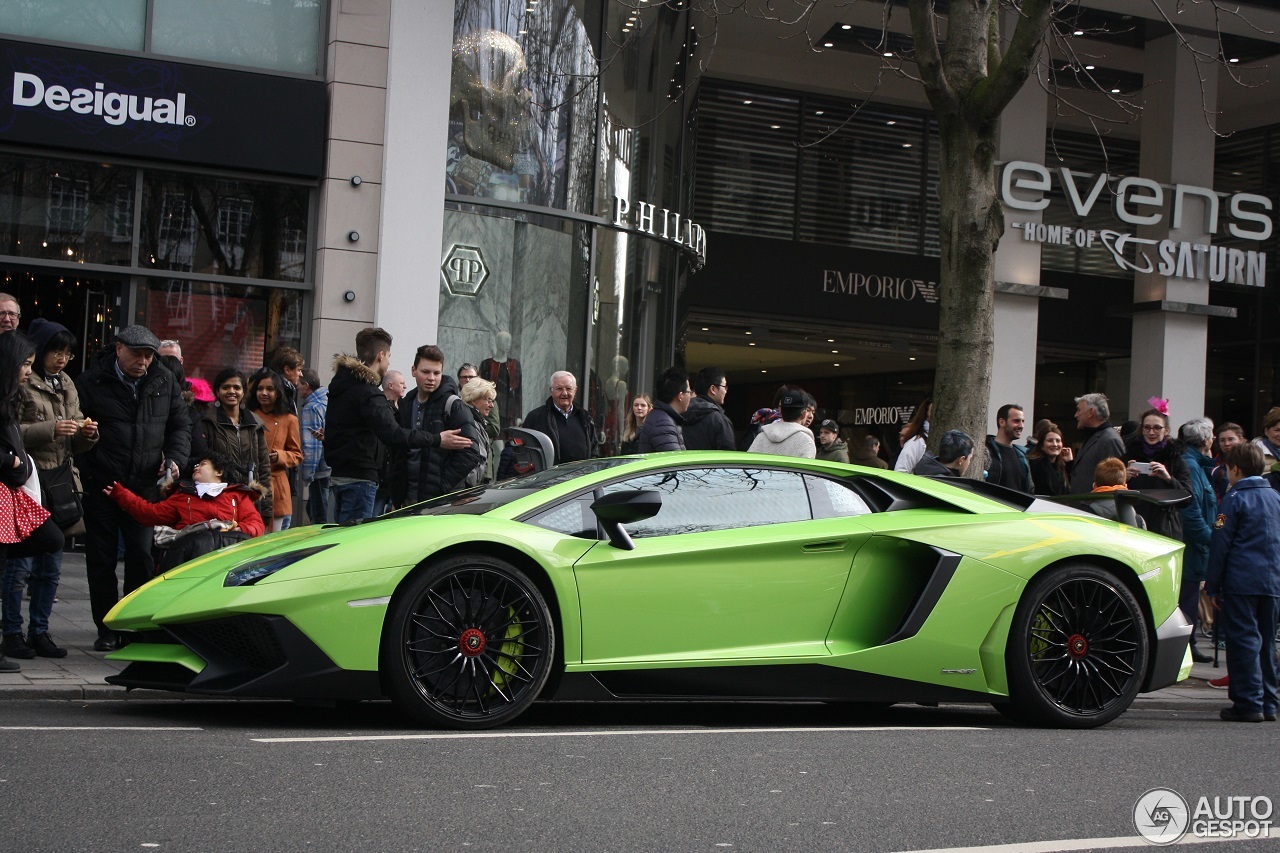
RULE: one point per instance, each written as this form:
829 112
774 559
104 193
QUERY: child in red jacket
209 498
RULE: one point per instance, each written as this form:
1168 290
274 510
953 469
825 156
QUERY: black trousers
45 539
105 525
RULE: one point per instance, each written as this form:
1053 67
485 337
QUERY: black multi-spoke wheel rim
475 643
1085 646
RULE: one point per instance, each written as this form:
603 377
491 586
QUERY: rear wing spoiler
1126 500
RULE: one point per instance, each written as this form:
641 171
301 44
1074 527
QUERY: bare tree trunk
970 226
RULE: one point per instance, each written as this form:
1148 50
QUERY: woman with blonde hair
482 395
641 406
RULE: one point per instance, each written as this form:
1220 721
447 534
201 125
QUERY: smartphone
1143 467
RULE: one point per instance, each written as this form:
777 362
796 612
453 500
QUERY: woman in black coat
1154 460
1050 462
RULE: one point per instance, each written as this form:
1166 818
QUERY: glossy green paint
829 591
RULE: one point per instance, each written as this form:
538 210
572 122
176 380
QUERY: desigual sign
80 100
1143 202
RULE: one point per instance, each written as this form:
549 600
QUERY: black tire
468 644
1077 650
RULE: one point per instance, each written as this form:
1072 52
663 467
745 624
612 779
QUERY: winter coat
244 443
1020 480
548 420
1167 521
912 452
282 437
929 466
707 427
785 438
1198 517
1101 443
837 452
42 407
866 458
662 430
1244 555
418 474
1047 476
360 426
184 507
138 432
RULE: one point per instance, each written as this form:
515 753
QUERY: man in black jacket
706 426
145 430
359 426
570 428
418 474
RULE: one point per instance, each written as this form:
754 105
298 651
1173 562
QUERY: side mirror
619 508
533 449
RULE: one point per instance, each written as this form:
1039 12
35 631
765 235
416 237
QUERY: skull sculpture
488 91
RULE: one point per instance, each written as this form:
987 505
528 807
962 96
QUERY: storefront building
610 187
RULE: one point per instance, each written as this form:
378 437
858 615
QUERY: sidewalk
81 674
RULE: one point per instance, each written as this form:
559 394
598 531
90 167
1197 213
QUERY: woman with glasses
1154 460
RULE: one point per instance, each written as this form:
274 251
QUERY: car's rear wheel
469 643
1077 650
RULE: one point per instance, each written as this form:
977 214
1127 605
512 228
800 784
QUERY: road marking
100 729
491 735
1083 844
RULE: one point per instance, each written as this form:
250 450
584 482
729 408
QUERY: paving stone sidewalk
82 673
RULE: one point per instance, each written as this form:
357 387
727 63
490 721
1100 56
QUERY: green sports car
680 575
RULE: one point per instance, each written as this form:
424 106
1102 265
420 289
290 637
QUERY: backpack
477 474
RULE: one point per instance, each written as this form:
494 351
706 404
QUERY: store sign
464 270
125 105
871 286
662 224
1142 202
882 415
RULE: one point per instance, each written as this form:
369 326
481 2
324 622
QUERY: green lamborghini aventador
680 575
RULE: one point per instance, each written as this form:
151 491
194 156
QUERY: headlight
251 573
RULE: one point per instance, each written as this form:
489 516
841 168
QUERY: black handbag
59 496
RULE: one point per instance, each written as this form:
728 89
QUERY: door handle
819 547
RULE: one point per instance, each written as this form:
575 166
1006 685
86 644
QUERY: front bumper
1171 657
244 655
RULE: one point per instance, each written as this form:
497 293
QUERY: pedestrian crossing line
616 733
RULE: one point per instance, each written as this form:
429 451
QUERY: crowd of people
134 458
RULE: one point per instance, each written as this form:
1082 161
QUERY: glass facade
281 35
559 109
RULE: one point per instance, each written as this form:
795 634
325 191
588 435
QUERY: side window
834 499
572 518
702 499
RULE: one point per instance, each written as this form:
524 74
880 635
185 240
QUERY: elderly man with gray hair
1100 440
1198 518
570 428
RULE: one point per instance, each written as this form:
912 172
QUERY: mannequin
504 371
616 399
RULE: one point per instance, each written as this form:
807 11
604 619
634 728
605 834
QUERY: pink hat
202 389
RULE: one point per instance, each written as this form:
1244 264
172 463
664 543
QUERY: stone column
1170 322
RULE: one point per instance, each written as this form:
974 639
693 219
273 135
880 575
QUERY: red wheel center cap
472 642
1077 646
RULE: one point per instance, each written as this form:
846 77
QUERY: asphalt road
271 776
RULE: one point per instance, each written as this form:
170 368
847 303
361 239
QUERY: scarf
209 490
1150 450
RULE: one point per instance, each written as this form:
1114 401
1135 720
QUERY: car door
733 566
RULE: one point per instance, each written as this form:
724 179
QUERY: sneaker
1269 716
7 665
44 646
1222 683
1231 715
16 647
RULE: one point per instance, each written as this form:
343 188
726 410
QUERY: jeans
353 501
106 523
43 572
1250 622
318 495
1189 602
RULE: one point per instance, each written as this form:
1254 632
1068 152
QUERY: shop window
62 210
68 208
282 35
118 24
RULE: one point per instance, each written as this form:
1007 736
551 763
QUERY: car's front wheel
469 643
1077 649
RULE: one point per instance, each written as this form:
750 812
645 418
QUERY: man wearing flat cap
145 435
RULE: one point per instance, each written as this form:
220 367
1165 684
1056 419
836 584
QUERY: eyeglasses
1153 427
686 392
10 315
170 343
63 355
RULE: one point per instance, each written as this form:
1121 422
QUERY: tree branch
924 32
1007 78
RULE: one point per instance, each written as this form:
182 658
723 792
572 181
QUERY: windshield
481 499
